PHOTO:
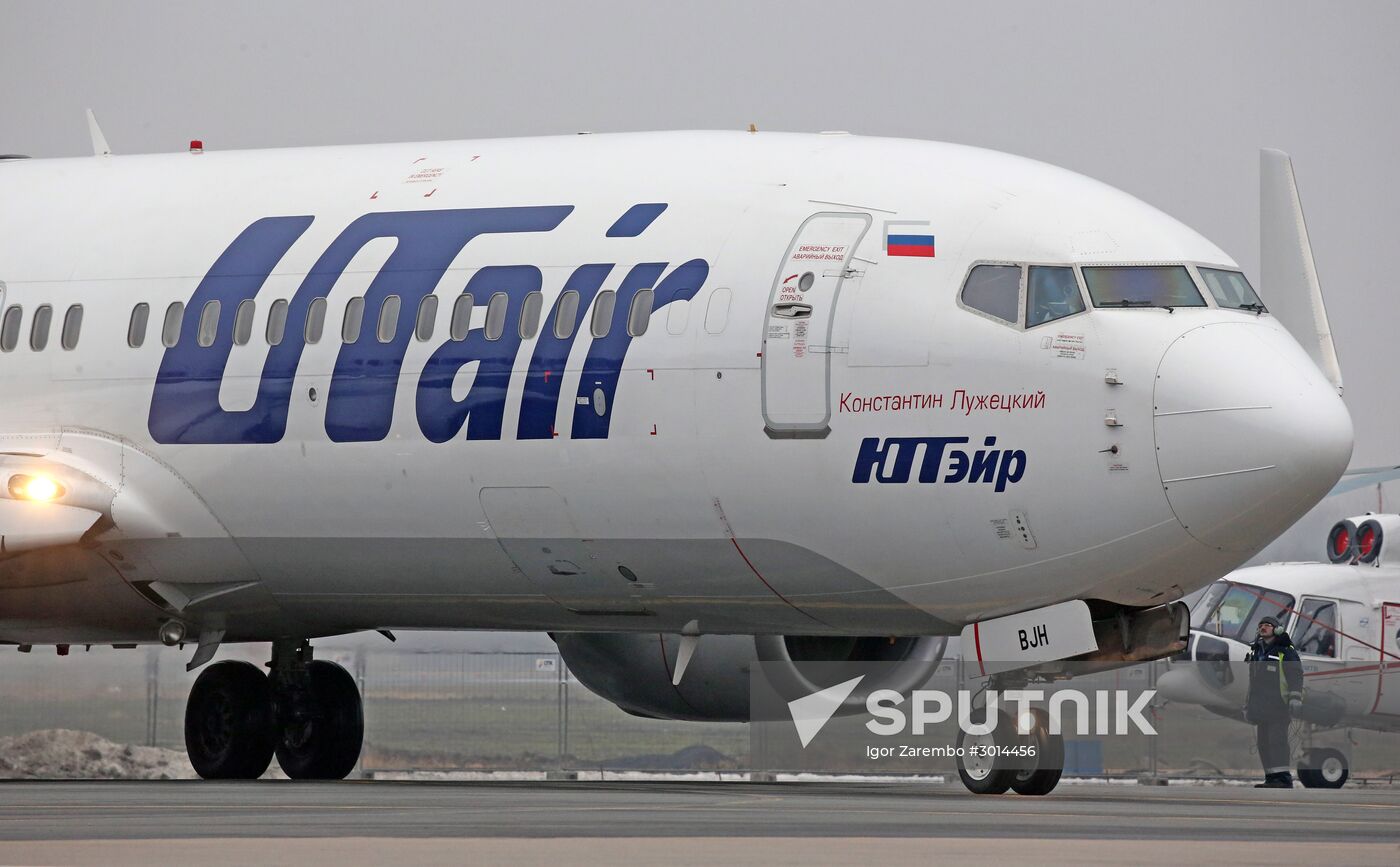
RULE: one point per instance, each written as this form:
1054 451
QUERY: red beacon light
196 146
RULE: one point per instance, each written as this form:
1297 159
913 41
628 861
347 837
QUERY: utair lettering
892 460
359 407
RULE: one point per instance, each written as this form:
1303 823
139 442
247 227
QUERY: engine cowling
634 670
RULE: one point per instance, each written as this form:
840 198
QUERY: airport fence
453 710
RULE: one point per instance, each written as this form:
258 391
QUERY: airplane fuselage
868 454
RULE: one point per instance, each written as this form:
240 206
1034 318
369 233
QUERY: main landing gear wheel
1041 777
228 722
1323 769
982 765
320 731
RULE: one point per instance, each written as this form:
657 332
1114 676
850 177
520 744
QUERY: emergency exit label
1040 635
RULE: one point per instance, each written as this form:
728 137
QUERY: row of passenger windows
386 320
40 326
1053 292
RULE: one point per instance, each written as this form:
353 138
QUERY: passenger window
462 317
170 329
72 326
277 322
39 328
9 330
354 320
639 315
388 319
243 322
1317 628
496 315
994 289
1051 293
136 328
530 315
1231 290
717 313
677 317
603 307
427 317
565 315
315 320
208 323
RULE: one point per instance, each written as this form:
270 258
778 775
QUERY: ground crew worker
1275 697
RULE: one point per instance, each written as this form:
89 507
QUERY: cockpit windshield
1233 610
1231 290
1142 286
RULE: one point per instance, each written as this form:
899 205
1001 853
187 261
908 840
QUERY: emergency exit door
797 330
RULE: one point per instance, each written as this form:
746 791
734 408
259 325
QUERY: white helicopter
1344 619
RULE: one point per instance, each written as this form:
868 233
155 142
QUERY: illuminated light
38 488
1027 723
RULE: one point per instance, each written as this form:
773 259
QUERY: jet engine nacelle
635 671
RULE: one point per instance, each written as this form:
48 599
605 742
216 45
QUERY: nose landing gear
308 712
1028 761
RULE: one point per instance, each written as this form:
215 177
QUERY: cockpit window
1234 610
1317 628
1051 293
994 289
1231 290
1142 286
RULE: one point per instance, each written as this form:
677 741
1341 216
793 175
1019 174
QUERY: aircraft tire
1323 769
1044 776
228 722
987 775
327 745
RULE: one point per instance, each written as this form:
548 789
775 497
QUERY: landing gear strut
306 711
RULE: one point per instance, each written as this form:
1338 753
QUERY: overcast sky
1170 100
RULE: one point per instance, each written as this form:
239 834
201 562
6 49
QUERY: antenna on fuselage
100 148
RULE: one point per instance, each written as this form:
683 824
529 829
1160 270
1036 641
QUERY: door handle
792 310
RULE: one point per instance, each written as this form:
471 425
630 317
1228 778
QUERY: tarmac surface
684 822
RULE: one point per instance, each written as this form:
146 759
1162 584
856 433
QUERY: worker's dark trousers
1272 738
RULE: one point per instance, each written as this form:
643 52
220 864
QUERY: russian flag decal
908 239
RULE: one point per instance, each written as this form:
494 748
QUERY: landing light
38 488
1027 722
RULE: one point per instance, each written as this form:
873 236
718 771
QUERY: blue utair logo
892 462
360 401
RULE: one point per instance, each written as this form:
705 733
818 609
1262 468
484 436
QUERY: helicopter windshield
1233 610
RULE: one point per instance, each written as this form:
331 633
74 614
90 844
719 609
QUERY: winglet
1289 275
100 148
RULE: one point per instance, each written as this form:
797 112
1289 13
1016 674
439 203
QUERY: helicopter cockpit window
1234 610
1051 293
1317 628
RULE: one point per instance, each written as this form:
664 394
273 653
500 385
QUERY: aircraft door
1388 689
798 320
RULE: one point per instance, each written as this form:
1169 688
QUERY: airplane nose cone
1249 433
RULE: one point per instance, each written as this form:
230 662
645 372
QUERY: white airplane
809 396
1344 619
